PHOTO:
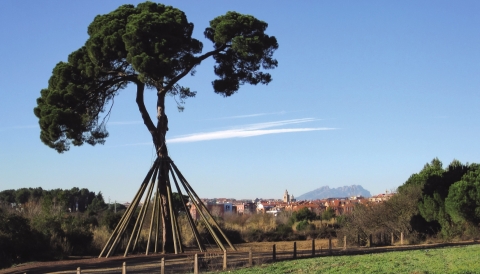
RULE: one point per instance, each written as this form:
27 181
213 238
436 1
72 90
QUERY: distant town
340 205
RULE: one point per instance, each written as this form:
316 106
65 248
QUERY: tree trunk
158 135
163 181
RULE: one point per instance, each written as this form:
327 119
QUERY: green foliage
7 196
18 242
449 201
284 229
328 214
149 45
304 214
43 227
179 203
463 200
97 205
110 219
305 225
245 49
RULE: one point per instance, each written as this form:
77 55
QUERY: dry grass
244 222
100 237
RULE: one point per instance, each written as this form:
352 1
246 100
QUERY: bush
18 242
302 225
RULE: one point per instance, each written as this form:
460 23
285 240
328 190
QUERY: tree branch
141 107
197 61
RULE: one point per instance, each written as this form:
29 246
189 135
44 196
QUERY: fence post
401 238
195 264
369 244
313 247
79 271
162 266
392 241
274 252
344 242
330 245
294 250
224 260
124 268
250 259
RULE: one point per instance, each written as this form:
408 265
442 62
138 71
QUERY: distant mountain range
339 192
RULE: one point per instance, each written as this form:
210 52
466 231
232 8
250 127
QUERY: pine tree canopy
149 45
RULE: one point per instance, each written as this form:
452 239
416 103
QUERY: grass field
464 259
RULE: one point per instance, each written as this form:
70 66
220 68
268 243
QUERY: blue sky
366 92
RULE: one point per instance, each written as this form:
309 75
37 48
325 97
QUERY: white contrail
247 131
243 131
225 134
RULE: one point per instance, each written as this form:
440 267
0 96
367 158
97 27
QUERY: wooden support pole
195 264
174 229
128 216
313 247
294 250
146 208
187 186
79 271
274 252
179 235
392 240
124 268
119 225
330 245
197 203
152 221
224 260
141 216
122 225
401 238
177 238
250 257
193 227
344 242
158 213
162 266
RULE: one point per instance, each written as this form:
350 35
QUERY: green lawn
464 259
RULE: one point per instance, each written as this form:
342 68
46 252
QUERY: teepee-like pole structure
150 185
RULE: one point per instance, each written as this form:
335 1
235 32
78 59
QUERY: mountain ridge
339 192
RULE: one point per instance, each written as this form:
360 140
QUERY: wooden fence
216 261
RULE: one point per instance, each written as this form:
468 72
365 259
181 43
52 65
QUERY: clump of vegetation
37 224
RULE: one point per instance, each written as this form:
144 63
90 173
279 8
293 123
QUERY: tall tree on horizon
150 46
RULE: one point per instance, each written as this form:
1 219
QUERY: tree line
436 203
38 224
